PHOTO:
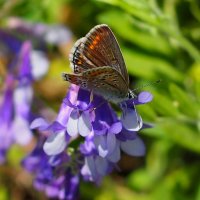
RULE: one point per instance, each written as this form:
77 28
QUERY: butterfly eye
130 95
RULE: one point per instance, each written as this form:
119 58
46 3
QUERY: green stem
189 47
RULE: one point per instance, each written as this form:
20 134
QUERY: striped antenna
148 84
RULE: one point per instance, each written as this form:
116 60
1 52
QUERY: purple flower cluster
105 134
16 97
15 115
51 34
58 176
25 62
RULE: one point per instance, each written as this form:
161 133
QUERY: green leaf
198 192
140 180
3 193
149 67
159 152
180 133
147 112
186 103
15 155
172 186
164 105
194 74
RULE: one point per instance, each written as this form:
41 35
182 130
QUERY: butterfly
98 65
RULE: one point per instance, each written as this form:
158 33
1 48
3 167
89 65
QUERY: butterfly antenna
148 84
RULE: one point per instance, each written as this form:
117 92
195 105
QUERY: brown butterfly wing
98 48
104 81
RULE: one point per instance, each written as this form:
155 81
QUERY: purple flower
105 134
58 176
15 107
51 34
58 138
102 149
81 117
6 118
8 43
103 152
11 44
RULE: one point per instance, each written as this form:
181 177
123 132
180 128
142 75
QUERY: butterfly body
98 65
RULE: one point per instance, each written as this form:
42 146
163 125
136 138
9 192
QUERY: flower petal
22 99
115 128
101 145
56 127
65 109
55 143
102 152
40 64
57 34
84 124
72 125
126 135
21 131
145 97
111 142
51 191
87 147
39 185
131 120
115 155
134 147
39 123
89 170
101 165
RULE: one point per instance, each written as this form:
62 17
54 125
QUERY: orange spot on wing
97 38
91 46
94 42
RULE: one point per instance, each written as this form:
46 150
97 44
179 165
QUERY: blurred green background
159 40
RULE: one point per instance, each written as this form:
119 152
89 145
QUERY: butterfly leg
99 105
91 96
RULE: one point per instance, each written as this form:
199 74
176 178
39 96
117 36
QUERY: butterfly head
130 94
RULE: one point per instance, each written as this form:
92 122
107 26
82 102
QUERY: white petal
40 64
55 143
131 120
22 98
84 124
101 145
102 152
21 131
72 124
57 34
